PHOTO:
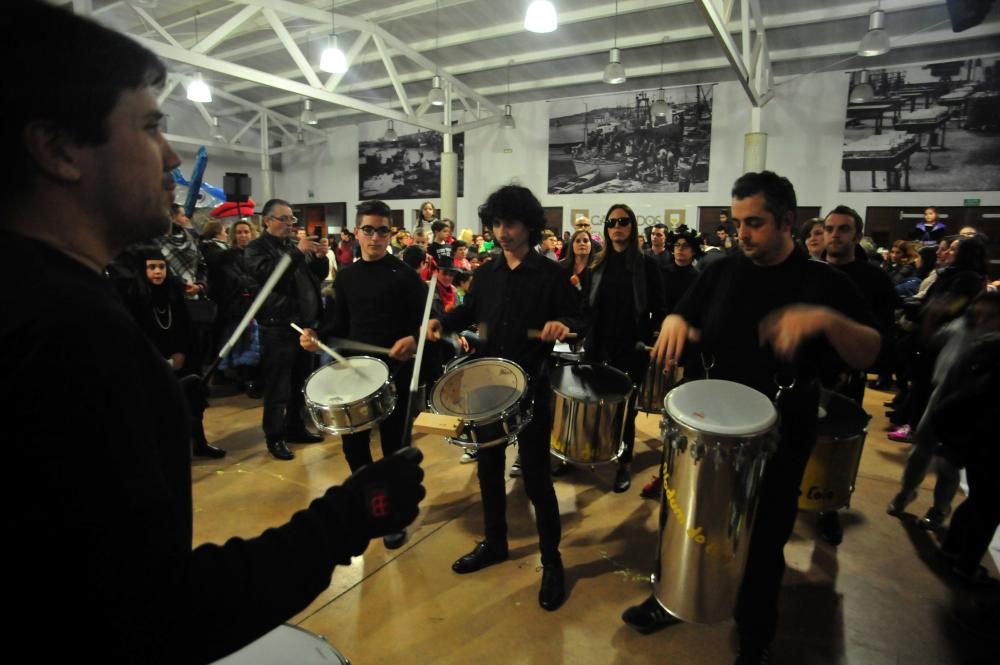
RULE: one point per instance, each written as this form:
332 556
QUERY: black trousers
975 521
284 367
757 605
624 356
533 446
394 432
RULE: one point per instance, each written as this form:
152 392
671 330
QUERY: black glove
379 498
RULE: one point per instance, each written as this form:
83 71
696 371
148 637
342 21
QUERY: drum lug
697 450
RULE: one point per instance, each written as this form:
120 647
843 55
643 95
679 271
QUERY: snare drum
563 354
286 644
590 404
485 394
830 474
717 437
352 397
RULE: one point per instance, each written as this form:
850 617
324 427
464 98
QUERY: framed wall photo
674 218
578 212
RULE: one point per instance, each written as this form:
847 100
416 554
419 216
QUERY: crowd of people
152 299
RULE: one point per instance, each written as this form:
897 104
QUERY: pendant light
876 40
216 129
308 115
197 89
436 94
508 118
390 133
541 17
614 73
660 107
862 90
333 60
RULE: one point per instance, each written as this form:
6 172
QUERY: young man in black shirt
94 176
518 291
765 317
379 300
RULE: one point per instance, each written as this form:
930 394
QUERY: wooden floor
878 598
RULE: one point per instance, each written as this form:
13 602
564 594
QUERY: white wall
804 123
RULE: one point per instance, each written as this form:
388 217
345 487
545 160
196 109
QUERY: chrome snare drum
286 644
828 481
485 394
352 397
717 438
590 404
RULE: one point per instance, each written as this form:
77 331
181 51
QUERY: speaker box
967 14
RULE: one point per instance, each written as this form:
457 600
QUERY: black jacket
296 297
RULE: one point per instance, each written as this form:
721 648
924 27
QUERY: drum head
479 388
338 383
591 383
720 407
286 644
843 417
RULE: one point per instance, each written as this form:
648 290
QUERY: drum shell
589 432
828 481
708 505
287 644
356 416
654 388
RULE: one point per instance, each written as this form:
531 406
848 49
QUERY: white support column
267 186
449 163
754 144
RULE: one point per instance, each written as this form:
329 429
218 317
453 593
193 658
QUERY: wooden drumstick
336 356
535 334
359 346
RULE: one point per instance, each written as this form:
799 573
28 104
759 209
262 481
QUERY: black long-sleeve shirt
507 303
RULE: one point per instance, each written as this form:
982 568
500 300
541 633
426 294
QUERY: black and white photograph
631 142
929 128
407 168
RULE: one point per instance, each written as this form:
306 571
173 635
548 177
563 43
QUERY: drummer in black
625 305
769 316
362 313
518 291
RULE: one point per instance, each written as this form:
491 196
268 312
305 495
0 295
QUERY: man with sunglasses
378 300
296 298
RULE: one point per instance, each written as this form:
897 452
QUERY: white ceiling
247 49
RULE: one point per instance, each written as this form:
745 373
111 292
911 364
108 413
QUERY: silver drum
655 386
590 404
486 395
350 397
287 644
717 437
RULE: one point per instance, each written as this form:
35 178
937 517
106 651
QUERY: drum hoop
483 417
604 400
361 400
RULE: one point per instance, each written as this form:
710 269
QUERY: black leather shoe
280 450
481 556
254 391
395 540
623 480
553 590
648 616
303 436
829 527
754 656
206 450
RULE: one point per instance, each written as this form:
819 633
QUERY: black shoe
205 450
280 450
829 527
553 590
303 436
395 540
754 656
623 480
254 391
481 556
649 616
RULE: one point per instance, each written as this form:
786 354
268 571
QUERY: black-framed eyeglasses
369 230
612 222
287 219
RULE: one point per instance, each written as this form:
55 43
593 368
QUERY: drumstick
359 346
262 295
336 356
535 334
415 379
